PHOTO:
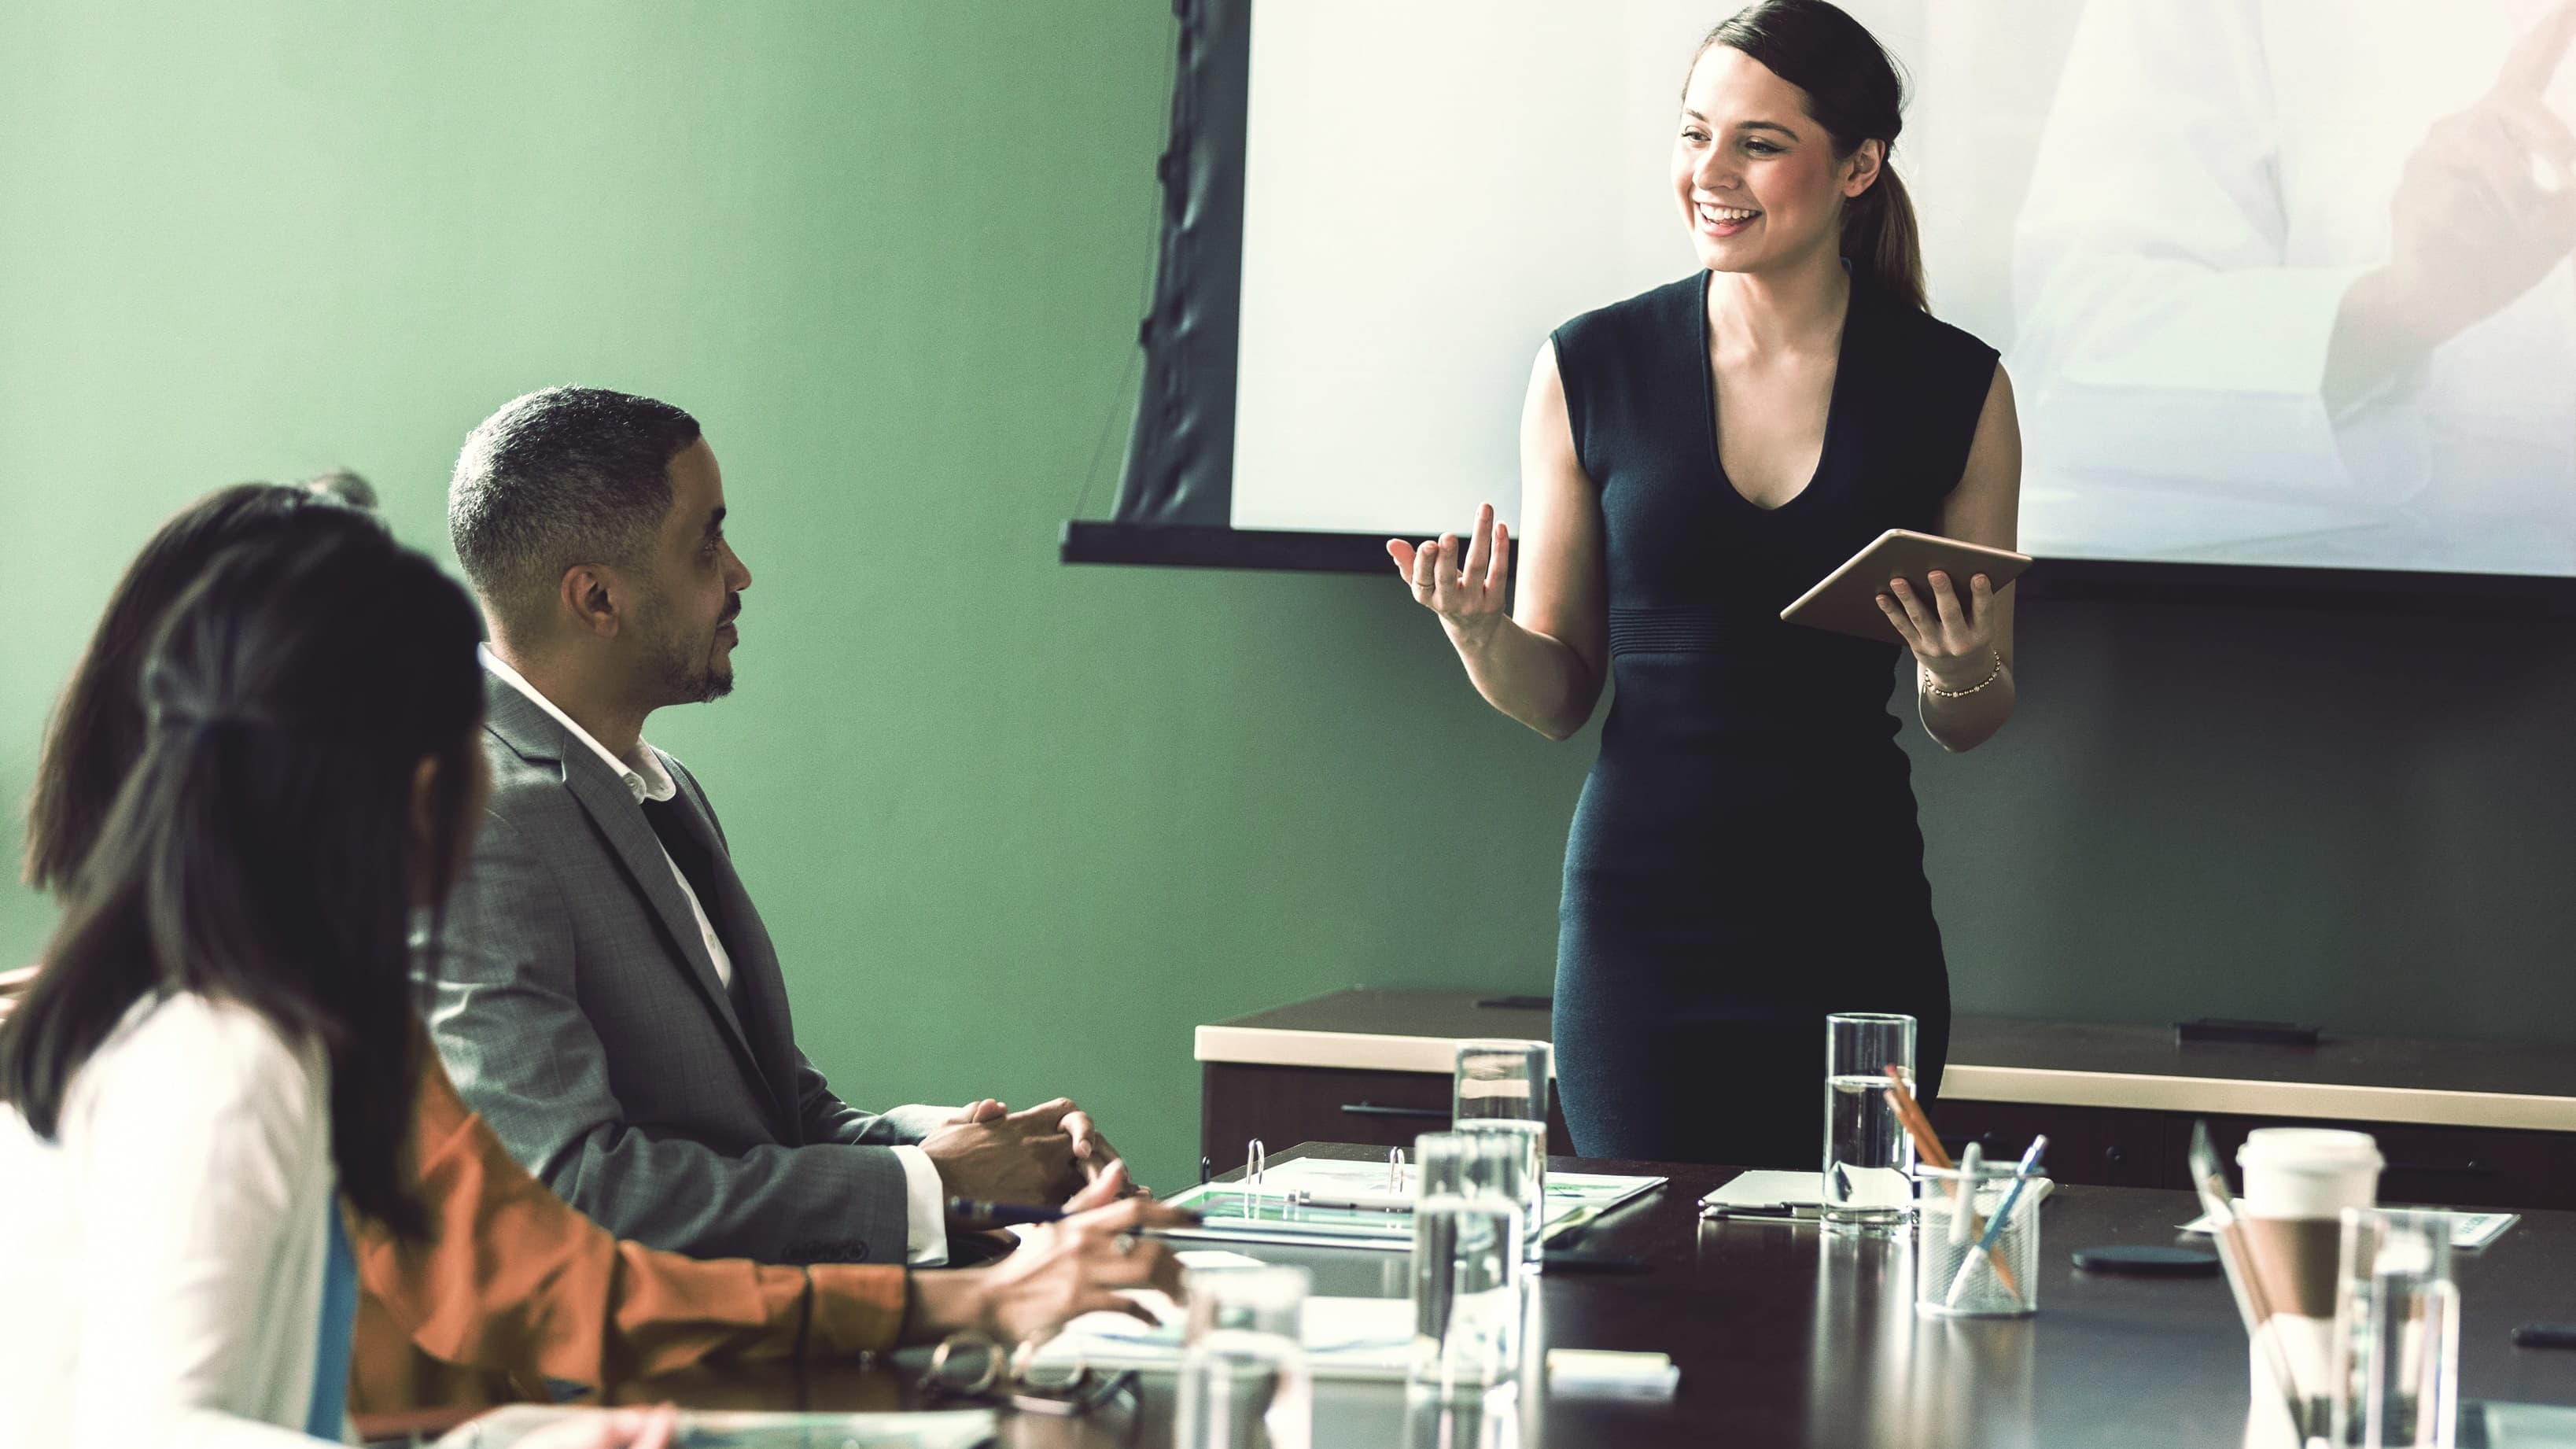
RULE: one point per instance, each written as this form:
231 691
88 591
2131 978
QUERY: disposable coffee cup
2298 1181
2308 1172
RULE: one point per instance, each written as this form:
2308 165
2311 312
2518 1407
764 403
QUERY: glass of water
1243 1376
1466 1263
1869 1159
1490 1422
1502 1089
2396 1369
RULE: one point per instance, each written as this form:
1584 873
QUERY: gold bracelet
1933 687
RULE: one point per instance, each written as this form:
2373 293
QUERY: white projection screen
2158 210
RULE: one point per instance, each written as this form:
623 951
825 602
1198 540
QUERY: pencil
1928 1148
1910 1112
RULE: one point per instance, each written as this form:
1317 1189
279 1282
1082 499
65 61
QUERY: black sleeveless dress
1745 857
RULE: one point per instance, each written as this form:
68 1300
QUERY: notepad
1599 1371
1802 1193
1230 1212
1345 1338
1215 1258
2468 1230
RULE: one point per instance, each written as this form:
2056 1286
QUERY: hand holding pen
1097 1247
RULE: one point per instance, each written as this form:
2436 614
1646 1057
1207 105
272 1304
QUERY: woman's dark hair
97 730
262 849
1854 93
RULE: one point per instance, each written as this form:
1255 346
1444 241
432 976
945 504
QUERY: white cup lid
2308 1149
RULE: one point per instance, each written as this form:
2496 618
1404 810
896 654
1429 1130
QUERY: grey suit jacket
578 1010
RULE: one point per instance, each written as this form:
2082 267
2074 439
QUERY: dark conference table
1787 1337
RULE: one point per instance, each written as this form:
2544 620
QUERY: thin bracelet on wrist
1933 687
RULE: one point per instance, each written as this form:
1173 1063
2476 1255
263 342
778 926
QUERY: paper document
1597 1371
940 1429
1802 1190
1270 1213
1345 1338
1327 1174
2523 1426
1802 1193
2468 1230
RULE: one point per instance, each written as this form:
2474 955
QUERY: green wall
1019 827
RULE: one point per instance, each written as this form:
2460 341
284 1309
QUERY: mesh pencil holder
1964 1265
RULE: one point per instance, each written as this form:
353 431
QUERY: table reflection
1861 1340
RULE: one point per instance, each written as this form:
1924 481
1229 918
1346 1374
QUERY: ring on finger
1123 1244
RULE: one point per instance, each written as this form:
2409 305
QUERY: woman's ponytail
1882 241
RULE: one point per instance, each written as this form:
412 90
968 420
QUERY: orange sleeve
512 1280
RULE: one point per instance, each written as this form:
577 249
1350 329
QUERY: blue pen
1995 1226
1000 1214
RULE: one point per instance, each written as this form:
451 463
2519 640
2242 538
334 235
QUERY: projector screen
2171 216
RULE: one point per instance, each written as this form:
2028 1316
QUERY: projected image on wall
2278 281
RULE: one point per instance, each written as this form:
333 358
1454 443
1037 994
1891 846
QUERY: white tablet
1846 602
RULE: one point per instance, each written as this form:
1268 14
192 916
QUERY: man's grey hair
570 475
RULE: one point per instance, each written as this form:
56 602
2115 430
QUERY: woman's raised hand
1059 1272
1466 592
1066 1269
1954 640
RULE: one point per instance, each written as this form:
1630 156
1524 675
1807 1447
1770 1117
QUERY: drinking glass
1502 1089
2396 1371
1243 1377
1869 1158
1466 1263
1491 1421
1951 1278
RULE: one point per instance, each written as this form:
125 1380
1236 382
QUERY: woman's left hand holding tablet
1953 639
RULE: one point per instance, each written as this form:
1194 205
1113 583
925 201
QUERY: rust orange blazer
514 1287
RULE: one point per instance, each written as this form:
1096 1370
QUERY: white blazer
161 1264
2213 177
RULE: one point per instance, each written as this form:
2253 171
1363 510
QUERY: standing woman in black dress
1745 857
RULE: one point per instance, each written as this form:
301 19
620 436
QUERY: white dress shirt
2213 177
925 1203
164 1255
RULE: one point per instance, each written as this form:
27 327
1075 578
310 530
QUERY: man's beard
682 675
685 672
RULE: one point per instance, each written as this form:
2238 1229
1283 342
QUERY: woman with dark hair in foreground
220 1047
96 732
233 938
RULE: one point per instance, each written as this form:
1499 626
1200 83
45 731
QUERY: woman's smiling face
1756 177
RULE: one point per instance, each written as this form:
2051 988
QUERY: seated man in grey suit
610 1001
